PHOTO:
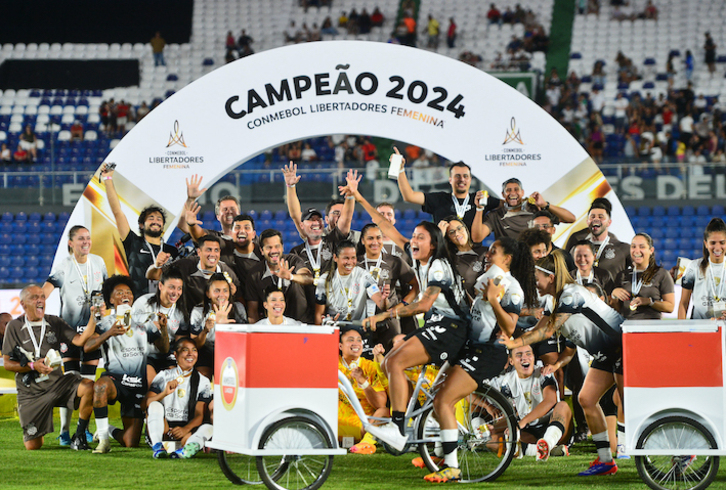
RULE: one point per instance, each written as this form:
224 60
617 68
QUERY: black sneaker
79 443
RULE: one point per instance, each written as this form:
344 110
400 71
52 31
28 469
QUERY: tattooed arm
421 306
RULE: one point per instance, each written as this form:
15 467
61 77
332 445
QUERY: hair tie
544 270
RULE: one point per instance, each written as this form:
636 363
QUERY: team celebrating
522 316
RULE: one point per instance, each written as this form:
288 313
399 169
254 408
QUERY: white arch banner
306 90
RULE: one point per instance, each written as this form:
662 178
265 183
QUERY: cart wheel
481 458
295 472
680 470
240 469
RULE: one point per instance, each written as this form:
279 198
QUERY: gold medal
595 263
316 279
129 332
633 307
376 272
181 393
180 380
532 201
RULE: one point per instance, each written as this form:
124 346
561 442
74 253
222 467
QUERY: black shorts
165 361
129 394
547 346
538 431
482 361
610 362
443 338
206 357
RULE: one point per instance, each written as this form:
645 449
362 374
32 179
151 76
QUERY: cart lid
306 329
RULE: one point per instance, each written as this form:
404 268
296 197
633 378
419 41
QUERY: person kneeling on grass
175 405
544 420
362 374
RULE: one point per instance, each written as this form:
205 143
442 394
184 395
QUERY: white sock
155 422
552 435
438 449
110 430
202 435
65 419
603 452
531 450
102 428
452 436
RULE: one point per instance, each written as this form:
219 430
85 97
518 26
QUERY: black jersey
441 205
141 254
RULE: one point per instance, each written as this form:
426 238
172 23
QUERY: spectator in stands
451 33
364 22
292 34
230 44
689 65
157 48
651 11
598 75
432 31
377 18
343 20
20 155
5 155
29 142
494 15
327 27
36 334
410 37
244 41
710 48
122 113
352 26
308 154
77 131
686 126
142 111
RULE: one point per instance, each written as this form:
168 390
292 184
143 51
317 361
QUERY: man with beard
28 340
247 254
458 202
544 220
141 251
286 272
196 272
332 215
610 253
514 217
225 210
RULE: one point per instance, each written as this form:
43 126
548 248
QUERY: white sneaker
621 454
389 434
104 446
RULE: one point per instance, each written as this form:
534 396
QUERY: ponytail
555 264
716 225
650 272
522 268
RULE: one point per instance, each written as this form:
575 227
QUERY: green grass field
55 467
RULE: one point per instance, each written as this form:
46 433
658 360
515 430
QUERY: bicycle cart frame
674 368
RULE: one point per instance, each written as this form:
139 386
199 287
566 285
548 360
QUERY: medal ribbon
460 208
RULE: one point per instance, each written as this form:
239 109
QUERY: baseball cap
310 212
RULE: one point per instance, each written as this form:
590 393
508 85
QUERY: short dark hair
244 217
333 203
585 243
602 203
110 284
224 198
181 340
269 290
458 164
513 180
554 220
385 203
172 272
269 233
209 238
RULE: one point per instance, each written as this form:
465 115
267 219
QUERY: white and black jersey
198 318
451 302
285 321
705 288
525 393
176 404
484 325
594 325
125 355
346 295
75 283
146 314
196 279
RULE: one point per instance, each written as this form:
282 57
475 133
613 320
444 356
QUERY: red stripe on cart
673 359
258 357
